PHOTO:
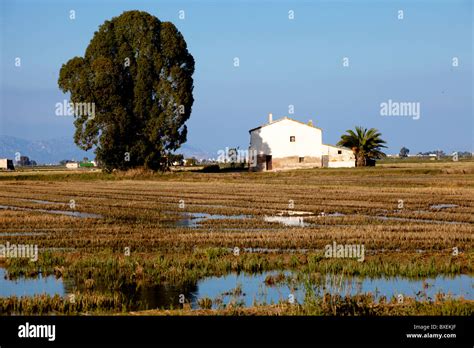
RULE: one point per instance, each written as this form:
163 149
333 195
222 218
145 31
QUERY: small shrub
205 303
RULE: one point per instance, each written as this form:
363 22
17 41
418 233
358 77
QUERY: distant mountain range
54 150
189 151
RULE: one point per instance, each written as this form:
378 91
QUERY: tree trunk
361 161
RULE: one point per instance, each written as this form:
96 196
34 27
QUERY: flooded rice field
147 241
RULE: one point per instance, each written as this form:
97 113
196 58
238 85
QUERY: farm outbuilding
72 165
288 144
6 164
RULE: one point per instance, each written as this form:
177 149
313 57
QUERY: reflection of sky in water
30 286
459 285
194 219
287 220
253 286
57 212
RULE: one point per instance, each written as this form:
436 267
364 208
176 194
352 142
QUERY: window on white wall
339 152
292 139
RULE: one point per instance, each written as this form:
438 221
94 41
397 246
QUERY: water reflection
248 289
294 221
193 220
443 206
256 289
58 212
140 297
30 286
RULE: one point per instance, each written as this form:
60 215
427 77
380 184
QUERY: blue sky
282 62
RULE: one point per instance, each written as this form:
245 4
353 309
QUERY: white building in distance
6 164
289 144
72 165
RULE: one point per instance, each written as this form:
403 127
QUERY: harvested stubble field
408 217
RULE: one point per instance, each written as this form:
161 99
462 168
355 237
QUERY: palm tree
365 143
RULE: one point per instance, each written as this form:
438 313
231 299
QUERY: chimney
310 123
270 118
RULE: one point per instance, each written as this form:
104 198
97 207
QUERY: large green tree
366 144
138 73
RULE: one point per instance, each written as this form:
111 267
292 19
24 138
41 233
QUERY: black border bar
215 330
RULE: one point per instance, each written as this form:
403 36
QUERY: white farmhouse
286 144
